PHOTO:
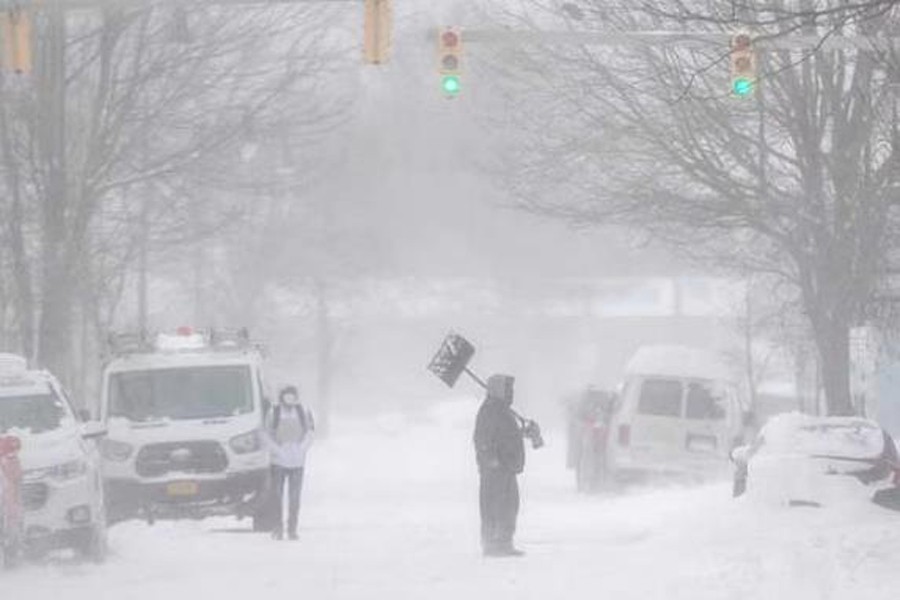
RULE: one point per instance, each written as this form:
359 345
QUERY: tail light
624 435
9 445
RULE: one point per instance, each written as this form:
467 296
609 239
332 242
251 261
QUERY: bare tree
129 129
797 184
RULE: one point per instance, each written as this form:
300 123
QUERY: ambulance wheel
93 546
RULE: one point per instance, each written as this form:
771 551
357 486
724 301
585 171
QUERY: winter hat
289 395
500 387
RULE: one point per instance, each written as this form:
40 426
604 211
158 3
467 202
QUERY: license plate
182 488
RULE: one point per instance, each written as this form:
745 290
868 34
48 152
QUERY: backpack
306 420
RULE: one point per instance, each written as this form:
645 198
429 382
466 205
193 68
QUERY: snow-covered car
803 460
12 524
62 488
185 417
680 412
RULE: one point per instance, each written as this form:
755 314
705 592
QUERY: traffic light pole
100 4
672 38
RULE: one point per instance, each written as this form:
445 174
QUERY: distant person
500 453
289 429
589 415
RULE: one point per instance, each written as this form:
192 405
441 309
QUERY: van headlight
61 472
246 442
115 451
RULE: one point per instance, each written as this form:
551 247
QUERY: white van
185 417
680 411
62 491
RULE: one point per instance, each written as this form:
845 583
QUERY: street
390 512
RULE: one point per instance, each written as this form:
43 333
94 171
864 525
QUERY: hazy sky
418 162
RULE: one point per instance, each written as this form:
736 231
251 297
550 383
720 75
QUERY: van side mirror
740 455
749 419
93 430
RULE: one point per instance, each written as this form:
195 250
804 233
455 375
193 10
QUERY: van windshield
705 402
660 397
181 393
34 413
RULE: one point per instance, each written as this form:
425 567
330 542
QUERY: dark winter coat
499 445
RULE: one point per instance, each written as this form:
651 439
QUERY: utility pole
50 89
143 266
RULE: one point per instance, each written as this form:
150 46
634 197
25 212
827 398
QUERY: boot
507 549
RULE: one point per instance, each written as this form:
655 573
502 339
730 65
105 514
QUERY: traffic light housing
743 65
15 28
450 60
377 31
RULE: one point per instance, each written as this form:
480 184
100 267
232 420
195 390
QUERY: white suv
62 489
185 418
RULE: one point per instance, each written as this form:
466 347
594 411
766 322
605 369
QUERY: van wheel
94 545
263 519
589 478
264 513
10 555
10 551
590 471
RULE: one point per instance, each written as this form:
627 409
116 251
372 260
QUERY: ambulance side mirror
93 430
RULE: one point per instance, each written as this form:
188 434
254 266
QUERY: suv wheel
10 554
93 546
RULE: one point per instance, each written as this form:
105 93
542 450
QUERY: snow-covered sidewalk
390 512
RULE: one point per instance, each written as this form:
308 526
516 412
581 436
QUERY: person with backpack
289 429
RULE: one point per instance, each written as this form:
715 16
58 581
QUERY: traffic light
449 60
743 65
379 21
15 27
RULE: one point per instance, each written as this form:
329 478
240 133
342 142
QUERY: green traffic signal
451 85
742 86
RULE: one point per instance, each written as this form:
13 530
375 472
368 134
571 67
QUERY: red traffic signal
741 42
450 39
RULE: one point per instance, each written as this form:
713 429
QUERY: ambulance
184 414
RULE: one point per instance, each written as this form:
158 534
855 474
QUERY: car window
705 402
34 413
660 397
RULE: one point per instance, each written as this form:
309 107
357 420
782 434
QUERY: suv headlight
60 472
246 442
115 451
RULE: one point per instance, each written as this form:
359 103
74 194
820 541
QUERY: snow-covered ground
390 512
